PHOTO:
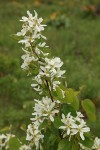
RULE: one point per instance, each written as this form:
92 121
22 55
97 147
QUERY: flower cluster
4 140
74 125
28 59
44 109
31 29
34 136
30 34
34 45
96 145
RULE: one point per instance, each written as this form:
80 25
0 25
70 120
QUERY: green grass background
78 46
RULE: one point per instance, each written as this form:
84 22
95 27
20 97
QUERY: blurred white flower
55 84
4 141
25 147
53 63
79 116
28 58
38 83
82 147
32 22
34 135
96 145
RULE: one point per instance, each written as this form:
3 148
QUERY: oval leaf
89 108
57 122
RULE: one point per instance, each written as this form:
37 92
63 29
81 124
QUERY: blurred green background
73 34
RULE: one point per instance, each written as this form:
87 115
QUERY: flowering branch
47 78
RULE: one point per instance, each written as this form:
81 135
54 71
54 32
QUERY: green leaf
14 143
64 145
75 102
89 108
59 92
57 122
66 108
71 97
88 142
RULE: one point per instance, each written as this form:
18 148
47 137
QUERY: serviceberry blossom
39 47
28 59
79 116
37 86
80 128
96 145
4 141
74 125
34 136
48 69
55 84
45 109
82 147
52 68
25 147
68 123
31 25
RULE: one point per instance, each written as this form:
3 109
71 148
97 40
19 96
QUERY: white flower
28 58
68 122
30 39
83 147
51 68
25 147
55 84
79 116
37 23
4 140
37 85
45 109
96 145
38 49
74 125
60 73
34 135
80 128
53 63
31 23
